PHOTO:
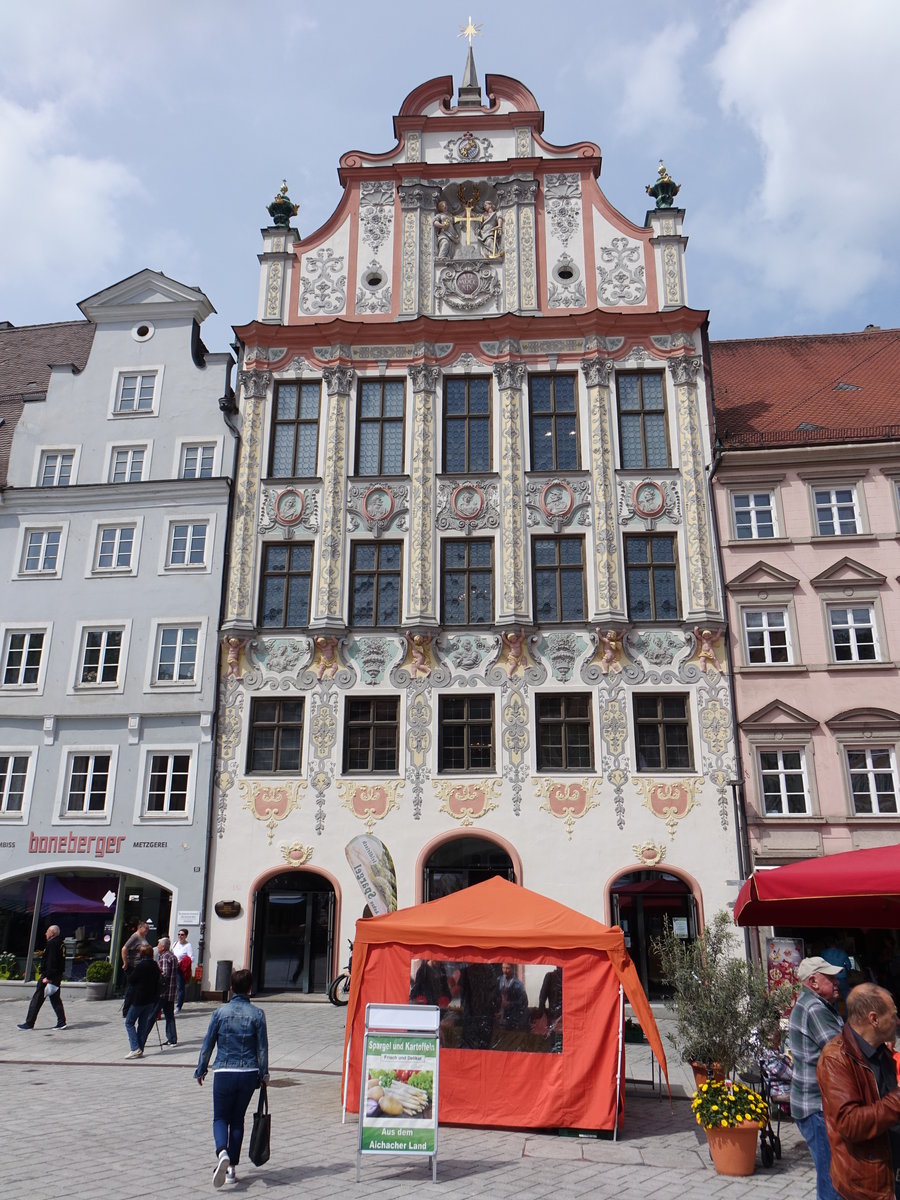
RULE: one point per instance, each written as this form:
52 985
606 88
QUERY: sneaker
221 1169
63 1026
25 1026
178 1008
170 1043
135 1054
230 1175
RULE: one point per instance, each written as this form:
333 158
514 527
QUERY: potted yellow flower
732 1114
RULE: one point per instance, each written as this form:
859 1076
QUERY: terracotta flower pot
702 1074
733 1150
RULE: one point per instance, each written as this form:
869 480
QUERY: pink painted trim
659 868
454 835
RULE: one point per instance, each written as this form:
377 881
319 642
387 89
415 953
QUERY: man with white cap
814 1021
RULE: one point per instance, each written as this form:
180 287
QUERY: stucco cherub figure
233 665
326 647
514 641
611 643
419 645
706 655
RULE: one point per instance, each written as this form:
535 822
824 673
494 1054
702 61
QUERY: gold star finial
469 31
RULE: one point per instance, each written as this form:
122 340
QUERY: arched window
463 861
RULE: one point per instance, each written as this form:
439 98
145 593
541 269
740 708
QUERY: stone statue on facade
419 645
611 641
490 233
445 231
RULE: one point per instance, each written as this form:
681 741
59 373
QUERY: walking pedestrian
47 987
130 952
184 953
814 1022
238 1031
144 983
168 969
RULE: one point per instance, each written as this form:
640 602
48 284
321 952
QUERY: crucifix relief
466 232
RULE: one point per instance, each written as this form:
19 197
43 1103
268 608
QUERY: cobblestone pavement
89 1125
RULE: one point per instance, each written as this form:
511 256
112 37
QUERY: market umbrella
859 889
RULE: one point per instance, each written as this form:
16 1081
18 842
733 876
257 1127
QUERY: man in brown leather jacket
858 1081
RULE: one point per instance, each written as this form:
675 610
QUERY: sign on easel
398 1107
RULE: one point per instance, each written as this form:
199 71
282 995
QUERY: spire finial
470 89
665 189
470 31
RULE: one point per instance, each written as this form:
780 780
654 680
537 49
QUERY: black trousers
37 1000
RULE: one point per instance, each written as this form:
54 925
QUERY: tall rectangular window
167 784
564 733
662 733
766 639
115 545
873 780
467 581
198 460
41 550
754 515
651 577
56 468
836 511
643 439
276 736
853 637
372 735
176 654
295 430
375 583
286 585
467 425
783 777
379 449
101 651
135 393
87 784
187 543
13 777
558 579
554 425
465 733
127 465
22 658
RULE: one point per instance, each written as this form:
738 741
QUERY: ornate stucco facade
472 504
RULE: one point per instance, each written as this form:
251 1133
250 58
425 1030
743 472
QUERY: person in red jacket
860 1098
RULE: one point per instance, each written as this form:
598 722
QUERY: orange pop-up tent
493 922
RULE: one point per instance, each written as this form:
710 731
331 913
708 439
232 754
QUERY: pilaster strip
513 597
255 388
421 608
609 601
338 381
701 589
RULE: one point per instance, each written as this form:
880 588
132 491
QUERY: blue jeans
813 1130
168 1008
138 1023
232 1092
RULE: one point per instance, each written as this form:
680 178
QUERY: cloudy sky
154 135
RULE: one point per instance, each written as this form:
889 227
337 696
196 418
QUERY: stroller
775 1071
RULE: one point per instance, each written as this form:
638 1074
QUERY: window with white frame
56 468
766 636
115 547
127 464
40 551
853 633
87 784
101 653
837 511
783 779
176 654
754 515
197 460
134 393
22 653
13 780
873 780
187 544
167 784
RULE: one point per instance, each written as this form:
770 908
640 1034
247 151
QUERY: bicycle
339 988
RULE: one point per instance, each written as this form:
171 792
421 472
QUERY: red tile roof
26 356
815 388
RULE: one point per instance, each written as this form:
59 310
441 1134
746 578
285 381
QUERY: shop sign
99 844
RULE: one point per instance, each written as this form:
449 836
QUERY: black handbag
262 1128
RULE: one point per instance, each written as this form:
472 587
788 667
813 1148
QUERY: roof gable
148 295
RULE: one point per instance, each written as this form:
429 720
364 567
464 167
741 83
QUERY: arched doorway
293 933
461 862
641 902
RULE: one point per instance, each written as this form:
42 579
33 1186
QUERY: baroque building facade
473 607
115 465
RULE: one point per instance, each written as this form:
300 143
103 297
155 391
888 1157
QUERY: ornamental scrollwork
620 276
686 370
467 505
424 377
376 212
597 372
558 503
378 507
271 803
467 802
510 375
467 285
468 148
338 380
563 194
374 293
322 288
231 706
649 501
373 656
567 800
255 384
670 800
562 650
296 854
277 663
289 509
467 652
370 802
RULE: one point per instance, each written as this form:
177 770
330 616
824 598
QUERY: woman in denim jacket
238 1029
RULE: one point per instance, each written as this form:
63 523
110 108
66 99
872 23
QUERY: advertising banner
373 868
398 1113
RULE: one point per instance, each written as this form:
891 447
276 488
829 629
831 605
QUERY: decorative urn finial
281 209
665 189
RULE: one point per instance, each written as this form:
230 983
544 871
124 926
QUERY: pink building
807 497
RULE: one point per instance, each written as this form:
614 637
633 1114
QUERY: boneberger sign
99 844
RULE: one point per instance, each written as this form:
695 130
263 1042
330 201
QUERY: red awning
859 889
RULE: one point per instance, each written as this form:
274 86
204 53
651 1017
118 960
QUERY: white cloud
810 79
58 210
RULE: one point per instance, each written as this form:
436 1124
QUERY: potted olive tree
722 1005
97 979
